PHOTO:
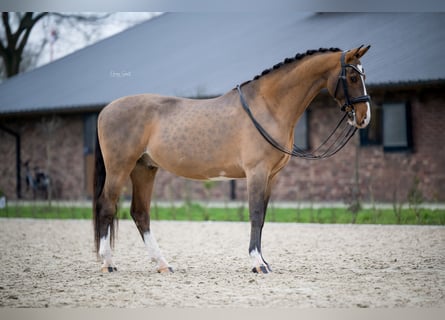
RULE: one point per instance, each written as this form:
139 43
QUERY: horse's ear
357 52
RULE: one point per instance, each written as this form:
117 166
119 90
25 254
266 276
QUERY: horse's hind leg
106 220
142 178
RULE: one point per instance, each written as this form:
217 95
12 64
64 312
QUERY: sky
70 39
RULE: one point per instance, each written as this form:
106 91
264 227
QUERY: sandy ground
52 264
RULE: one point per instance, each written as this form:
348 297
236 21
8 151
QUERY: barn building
48 115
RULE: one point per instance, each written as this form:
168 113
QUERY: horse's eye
354 79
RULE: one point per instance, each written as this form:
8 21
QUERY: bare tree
16 28
14 42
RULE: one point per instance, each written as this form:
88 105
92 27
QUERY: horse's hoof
166 270
108 269
262 269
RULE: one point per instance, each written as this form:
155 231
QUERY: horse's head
347 85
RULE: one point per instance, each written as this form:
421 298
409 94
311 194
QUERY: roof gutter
58 110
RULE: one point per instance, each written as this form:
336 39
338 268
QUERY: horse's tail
98 185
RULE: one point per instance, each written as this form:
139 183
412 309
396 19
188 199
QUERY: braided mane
297 57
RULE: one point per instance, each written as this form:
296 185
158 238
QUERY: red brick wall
380 173
7 164
63 144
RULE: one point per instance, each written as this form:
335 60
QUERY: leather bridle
334 142
348 106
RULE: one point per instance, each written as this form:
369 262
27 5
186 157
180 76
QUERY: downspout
18 158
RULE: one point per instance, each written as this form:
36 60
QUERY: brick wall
54 144
380 173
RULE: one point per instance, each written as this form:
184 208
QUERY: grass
195 212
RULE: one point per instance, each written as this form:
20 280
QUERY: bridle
348 106
334 142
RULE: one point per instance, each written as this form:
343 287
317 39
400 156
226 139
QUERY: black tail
99 182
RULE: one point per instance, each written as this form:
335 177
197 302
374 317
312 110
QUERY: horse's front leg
259 192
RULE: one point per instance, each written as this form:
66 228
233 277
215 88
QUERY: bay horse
216 139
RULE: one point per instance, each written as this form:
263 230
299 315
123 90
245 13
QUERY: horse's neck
289 90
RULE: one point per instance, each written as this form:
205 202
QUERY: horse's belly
197 166
197 143
220 178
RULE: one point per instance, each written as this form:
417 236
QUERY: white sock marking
256 259
154 253
105 250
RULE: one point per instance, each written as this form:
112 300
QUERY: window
389 127
396 133
301 132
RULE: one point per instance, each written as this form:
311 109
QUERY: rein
333 143
331 147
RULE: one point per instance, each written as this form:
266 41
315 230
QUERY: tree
13 45
17 27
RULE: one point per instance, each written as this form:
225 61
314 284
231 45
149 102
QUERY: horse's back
125 123
139 106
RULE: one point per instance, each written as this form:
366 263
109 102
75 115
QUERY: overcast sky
71 39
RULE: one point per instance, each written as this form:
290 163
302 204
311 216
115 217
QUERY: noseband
348 106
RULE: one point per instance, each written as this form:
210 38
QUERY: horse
216 139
